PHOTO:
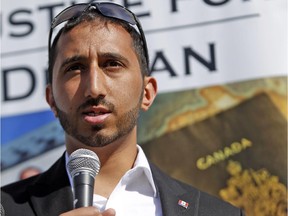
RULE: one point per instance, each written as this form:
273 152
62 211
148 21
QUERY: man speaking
98 83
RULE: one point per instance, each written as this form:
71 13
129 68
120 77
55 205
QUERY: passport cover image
239 154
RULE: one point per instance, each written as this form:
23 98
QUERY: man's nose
95 83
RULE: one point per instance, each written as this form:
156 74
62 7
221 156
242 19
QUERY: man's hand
89 211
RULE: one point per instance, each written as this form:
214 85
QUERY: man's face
97 86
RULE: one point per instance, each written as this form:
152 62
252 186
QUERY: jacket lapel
52 194
176 198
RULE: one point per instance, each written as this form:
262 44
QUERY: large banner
219 121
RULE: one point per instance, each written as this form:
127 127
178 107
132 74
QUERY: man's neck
113 169
116 159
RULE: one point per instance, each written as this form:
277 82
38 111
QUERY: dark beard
124 124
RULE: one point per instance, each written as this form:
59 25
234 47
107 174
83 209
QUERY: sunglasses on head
107 9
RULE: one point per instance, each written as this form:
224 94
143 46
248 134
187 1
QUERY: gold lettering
246 143
220 155
201 164
227 152
210 160
236 147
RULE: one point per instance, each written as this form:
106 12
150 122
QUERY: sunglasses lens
72 12
116 11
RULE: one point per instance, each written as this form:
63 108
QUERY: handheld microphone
83 166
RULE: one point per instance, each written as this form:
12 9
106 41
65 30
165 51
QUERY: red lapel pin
183 203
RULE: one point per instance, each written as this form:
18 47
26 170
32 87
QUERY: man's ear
150 92
50 99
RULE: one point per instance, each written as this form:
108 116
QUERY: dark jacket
50 194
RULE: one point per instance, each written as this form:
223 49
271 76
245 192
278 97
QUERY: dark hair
89 16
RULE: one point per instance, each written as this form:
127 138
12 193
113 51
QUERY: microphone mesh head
83 160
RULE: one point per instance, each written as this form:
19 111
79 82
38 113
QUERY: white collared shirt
135 193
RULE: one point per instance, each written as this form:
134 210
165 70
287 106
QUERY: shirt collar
141 163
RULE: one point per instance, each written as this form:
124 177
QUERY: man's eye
75 68
112 63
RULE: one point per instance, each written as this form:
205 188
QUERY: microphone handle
83 184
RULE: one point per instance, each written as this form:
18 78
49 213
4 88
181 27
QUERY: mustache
95 102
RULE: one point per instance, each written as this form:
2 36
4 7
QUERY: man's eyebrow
114 55
72 59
